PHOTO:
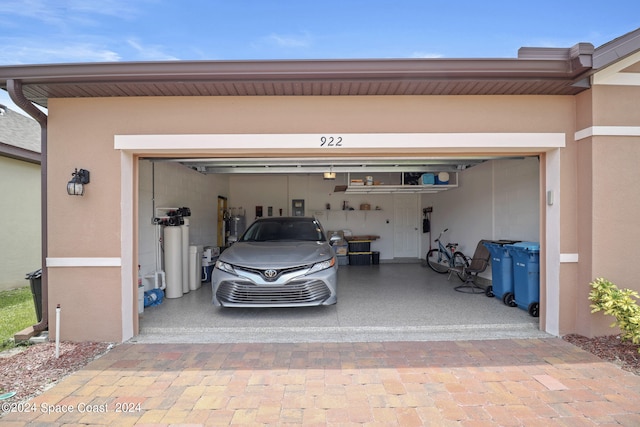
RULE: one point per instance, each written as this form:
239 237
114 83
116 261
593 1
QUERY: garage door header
536 142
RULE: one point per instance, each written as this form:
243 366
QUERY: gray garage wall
277 191
496 200
177 186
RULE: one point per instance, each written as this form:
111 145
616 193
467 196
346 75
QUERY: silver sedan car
278 262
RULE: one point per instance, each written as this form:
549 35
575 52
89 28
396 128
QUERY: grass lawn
17 312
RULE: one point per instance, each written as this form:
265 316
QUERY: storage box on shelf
430 182
359 258
360 246
360 249
340 247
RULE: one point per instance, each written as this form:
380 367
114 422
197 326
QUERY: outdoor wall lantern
75 187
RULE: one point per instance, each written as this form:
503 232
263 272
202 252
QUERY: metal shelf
385 189
401 188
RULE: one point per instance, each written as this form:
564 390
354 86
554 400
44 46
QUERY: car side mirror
334 239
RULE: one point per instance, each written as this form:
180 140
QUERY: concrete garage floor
377 303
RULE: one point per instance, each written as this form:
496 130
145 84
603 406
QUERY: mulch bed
610 348
28 371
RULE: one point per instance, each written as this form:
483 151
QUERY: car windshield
279 229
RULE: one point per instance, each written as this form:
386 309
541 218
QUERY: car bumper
306 290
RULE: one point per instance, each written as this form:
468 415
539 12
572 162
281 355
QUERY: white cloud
290 40
26 52
150 53
62 31
425 55
63 13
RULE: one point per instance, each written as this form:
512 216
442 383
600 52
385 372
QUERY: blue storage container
525 258
428 179
501 267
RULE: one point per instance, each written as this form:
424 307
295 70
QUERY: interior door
405 232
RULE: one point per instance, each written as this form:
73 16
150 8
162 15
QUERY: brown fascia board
17 153
616 50
286 70
579 57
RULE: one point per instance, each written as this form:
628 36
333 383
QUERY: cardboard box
341 249
340 233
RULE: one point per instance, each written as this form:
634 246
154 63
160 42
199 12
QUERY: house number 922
330 141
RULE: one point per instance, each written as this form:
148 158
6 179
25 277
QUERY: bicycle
446 257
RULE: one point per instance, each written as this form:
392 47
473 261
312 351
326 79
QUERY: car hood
276 254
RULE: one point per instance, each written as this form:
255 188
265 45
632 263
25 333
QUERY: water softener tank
173 261
195 267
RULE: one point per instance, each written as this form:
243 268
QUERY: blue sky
62 31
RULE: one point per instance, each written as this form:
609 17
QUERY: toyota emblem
271 273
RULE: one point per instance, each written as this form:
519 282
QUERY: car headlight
224 266
322 265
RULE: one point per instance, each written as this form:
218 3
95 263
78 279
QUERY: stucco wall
608 201
20 231
81 134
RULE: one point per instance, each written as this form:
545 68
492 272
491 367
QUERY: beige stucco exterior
608 200
94 299
588 147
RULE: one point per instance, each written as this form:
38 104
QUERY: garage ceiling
330 164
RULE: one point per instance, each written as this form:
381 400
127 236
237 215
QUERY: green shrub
620 304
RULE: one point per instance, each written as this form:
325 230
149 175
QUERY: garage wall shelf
358 213
398 186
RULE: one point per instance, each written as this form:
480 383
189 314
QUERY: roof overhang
18 153
535 71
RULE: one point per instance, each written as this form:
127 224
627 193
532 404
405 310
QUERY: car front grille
279 273
294 293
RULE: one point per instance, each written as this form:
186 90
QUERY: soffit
550 75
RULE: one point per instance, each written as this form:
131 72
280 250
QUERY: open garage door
211 177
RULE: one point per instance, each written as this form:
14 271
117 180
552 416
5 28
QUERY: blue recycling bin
525 258
501 267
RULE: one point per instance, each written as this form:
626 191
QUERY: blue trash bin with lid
525 257
501 267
